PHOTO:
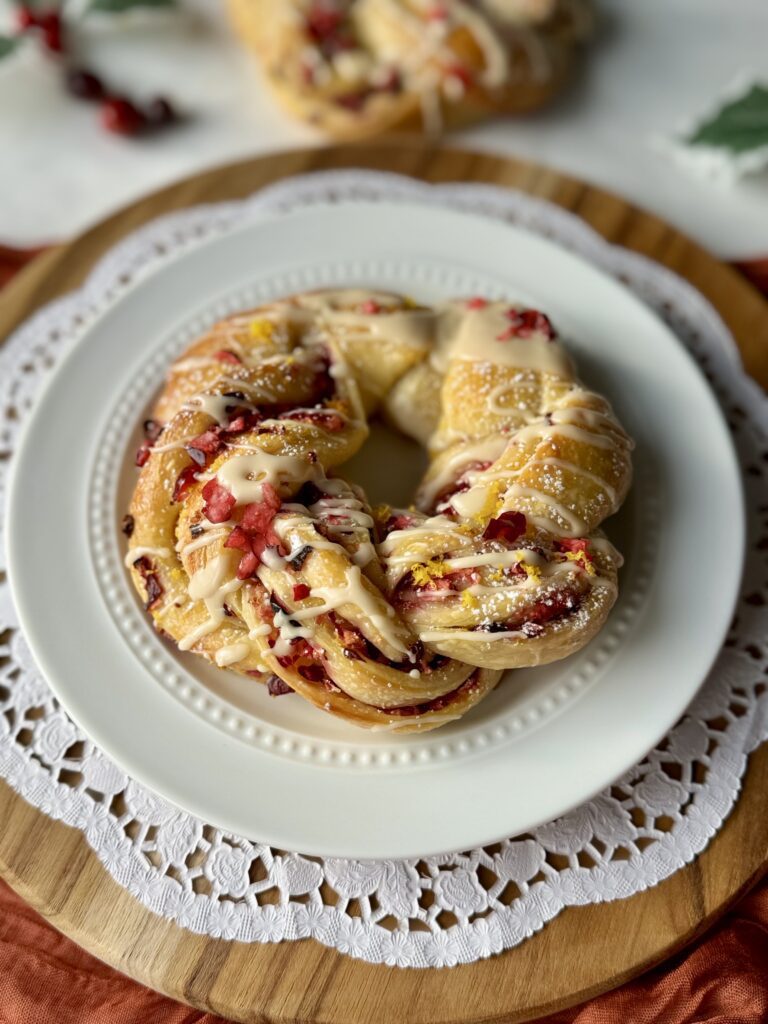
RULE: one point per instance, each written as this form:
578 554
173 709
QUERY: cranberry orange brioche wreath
356 68
248 550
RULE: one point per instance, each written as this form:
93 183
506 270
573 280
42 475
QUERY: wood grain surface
585 950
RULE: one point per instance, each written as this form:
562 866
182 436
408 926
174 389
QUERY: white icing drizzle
211 585
477 334
232 653
263 630
208 537
353 592
139 552
244 475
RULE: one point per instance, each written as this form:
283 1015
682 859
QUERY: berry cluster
118 114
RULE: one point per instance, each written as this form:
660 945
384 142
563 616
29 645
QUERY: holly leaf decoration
120 6
738 126
7 45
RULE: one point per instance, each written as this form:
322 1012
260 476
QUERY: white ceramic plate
277 769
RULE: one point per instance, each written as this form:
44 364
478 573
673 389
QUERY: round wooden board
585 950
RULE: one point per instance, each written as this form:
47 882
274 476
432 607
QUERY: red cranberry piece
142 454
323 22
151 581
121 117
160 112
208 442
218 502
247 565
184 482
84 84
476 302
276 687
370 306
526 322
507 527
224 355
573 544
300 591
259 514
462 73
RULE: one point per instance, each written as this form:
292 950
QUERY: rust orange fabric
47 979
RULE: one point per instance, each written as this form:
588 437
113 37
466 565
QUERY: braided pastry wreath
357 68
248 551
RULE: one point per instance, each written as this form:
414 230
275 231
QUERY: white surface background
655 64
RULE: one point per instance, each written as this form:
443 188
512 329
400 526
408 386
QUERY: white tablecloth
654 64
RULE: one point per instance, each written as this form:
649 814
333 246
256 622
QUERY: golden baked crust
358 68
250 552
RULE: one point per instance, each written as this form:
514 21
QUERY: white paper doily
437 911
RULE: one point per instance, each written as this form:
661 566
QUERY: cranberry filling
507 527
532 620
399 521
437 704
301 591
324 418
574 544
460 485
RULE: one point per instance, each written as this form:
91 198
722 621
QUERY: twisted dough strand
360 67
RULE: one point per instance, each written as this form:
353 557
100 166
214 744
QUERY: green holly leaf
738 126
120 6
7 45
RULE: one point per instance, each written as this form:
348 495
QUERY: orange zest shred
426 572
582 559
531 571
261 330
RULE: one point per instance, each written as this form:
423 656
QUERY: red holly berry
160 113
26 18
84 84
120 116
53 38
